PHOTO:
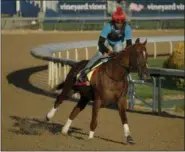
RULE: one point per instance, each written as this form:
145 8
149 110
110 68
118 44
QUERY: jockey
113 34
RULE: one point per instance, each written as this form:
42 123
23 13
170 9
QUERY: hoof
130 140
90 138
65 134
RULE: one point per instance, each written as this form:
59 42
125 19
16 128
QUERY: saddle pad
89 75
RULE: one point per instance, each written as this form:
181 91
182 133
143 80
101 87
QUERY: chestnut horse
108 85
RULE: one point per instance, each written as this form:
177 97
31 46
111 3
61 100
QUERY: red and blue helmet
119 15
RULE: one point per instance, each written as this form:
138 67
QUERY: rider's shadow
34 126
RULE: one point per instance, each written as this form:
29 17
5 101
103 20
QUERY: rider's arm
128 42
103 36
101 44
128 35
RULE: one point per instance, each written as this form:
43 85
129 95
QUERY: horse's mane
125 50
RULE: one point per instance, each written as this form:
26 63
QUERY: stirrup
81 79
82 76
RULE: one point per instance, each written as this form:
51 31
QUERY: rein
127 69
122 80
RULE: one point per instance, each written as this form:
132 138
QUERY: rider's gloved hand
113 54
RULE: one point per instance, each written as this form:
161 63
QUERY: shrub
176 61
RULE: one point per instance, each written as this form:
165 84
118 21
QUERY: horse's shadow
36 126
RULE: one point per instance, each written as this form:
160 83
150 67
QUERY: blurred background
90 14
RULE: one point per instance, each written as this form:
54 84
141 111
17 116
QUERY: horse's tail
72 74
60 86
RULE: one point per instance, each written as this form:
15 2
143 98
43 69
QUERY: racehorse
108 85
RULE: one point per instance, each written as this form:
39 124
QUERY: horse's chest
115 87
112 92
110 96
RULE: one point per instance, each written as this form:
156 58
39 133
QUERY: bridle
132 57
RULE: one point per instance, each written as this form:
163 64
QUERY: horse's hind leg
68 84
122 113
82 103
58 101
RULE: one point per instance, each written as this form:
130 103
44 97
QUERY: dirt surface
25 106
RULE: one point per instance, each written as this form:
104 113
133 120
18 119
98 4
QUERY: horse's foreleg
82 103
94 122
122 113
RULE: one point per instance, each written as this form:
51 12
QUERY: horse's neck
118 68
125 58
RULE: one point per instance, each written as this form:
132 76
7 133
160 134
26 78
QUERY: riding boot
83 74
89 65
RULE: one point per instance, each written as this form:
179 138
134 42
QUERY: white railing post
76 54
171 47
49 73
56 74
86 53
155 50
59 66
76 58
52 72
97 47
67 55
65 66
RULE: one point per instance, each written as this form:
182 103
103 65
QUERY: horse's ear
145 42
137 41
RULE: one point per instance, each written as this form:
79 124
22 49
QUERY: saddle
85 79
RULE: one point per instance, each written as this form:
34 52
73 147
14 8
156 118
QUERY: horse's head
134 58
138 58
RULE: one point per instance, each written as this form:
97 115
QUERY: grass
145 91
179 108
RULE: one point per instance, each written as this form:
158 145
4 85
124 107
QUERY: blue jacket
114 36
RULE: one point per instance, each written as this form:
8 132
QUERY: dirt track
24 107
